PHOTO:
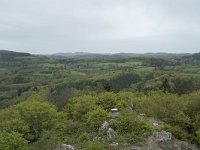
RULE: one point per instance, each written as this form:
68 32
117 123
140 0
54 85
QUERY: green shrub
12 141
198 136
12 121
80 106
128 123
177 132
96 117
93 145
38 115
107 101
83 137
30 118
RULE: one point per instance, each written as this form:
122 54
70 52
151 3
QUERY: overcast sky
100 26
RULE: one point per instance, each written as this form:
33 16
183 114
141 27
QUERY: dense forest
96 102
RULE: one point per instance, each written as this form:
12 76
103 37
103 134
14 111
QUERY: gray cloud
50 26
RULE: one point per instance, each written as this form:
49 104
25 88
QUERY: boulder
114 145
67 147
163 141
104 127
112 122
111 134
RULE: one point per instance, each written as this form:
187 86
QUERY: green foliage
161 87
179 132
93 145
107 101
84 137
30 118
184 85
123 81
162 106
12 141
11 120
96 117
81 106
39 115
182 120
166 86
49 140
194 104
198 136
128 123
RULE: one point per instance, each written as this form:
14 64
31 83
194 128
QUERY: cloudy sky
102 26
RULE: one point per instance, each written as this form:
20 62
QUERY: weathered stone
155 124
163 136
163 141
67 147
112 122
111 134
104 127
136 148
114 145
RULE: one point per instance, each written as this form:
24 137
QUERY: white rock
114 145
67 147
155 124
111 134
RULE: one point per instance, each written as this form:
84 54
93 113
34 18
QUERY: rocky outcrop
164 141
104 127
159 140
113 145
65 147
111 134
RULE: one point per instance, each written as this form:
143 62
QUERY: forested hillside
97 102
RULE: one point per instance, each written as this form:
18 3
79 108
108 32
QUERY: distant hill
195 56
156 55
192 59
117 55
6 55
74 54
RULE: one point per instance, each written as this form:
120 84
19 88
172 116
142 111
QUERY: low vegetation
48 101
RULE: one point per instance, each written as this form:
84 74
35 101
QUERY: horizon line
108 53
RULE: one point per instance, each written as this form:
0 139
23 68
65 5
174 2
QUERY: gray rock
67 147
104 127
136 148
114 145
162 136
112 122
163 141
111 134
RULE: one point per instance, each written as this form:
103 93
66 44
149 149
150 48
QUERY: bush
12 141
96 117
177 132
198 136
48 140
128 123
80 106
11 120
93 145
30 118
83 137
38 115
107 101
